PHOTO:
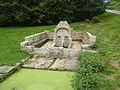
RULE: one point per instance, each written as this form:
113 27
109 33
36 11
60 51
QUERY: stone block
6 69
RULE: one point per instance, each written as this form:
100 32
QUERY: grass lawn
115 5
29 79
107 32
10 39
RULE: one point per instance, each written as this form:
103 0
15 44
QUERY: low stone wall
9 70
76 35
50 35
55 52
88 38
33 43
36 40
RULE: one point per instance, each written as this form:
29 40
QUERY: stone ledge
6 69
9 70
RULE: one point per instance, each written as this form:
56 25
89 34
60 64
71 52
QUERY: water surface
31 79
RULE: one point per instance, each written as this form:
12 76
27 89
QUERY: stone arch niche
62 35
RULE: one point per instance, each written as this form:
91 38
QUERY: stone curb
16 67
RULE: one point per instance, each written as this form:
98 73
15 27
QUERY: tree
40 12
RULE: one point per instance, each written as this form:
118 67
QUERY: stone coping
6 71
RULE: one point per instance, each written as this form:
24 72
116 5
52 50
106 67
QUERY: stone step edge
16 67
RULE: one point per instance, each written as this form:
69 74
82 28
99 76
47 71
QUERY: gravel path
113 11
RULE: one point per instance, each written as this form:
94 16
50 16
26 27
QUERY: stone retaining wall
55 52
76 35
36 40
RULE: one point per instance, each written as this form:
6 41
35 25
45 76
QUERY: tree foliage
39 12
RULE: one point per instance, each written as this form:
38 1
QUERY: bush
85 80
95 19
94 46
40 12
112 4
91 61
86 77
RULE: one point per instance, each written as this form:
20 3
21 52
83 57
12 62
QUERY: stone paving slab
65 64
51 64
38 62
6 69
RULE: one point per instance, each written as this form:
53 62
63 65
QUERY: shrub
95 19
112 4
86 77
91 61
94 46
87 20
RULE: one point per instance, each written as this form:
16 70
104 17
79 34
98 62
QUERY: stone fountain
56 49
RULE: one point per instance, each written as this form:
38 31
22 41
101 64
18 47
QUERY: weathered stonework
39 62
62 35
61 44
6 69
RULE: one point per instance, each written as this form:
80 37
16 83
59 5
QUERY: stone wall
76 35
36 40
50 35
33 43
88 38
55 52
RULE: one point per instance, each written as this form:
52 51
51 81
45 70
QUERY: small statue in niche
66 42
58 41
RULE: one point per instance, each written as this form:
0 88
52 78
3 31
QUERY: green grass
107 32
29 79
108 44
108 35
114 4
10 39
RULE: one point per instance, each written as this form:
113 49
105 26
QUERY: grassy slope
108 41
29 79
115 5
107 33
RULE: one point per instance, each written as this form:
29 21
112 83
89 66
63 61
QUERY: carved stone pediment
62 35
